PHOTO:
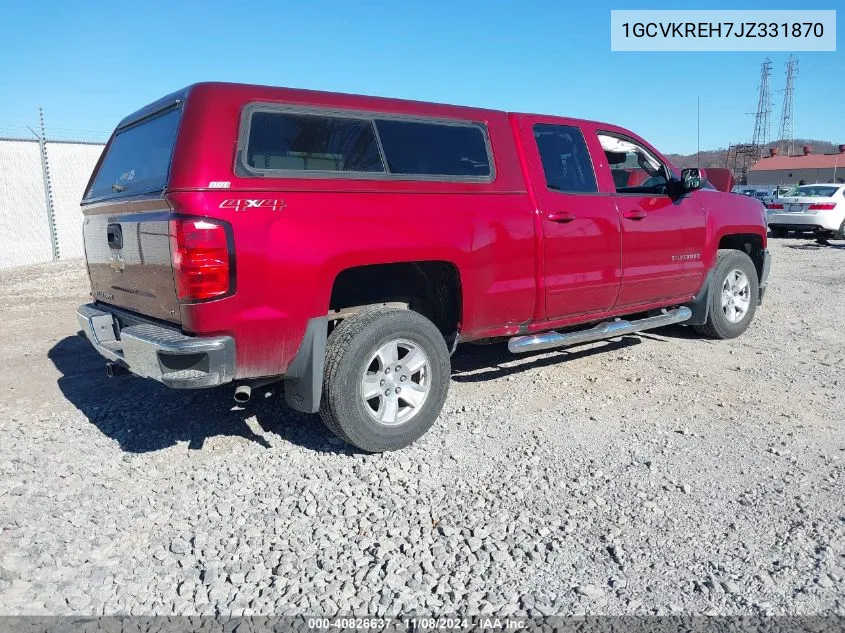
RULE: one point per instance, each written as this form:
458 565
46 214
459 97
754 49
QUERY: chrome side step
551 340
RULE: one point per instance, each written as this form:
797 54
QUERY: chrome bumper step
152 351
608 329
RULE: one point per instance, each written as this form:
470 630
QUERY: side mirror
692 178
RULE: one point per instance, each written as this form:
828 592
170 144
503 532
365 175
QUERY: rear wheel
778 231
733 297
386 378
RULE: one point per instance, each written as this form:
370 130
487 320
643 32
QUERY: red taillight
822 206
774 205
202 266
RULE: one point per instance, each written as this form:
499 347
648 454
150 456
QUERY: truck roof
258 92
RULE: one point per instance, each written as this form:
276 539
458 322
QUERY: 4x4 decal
242 204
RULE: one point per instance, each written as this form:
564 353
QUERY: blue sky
88 64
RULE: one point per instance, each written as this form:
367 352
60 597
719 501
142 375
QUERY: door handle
634 214
560 216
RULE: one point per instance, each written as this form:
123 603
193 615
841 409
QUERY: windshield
138 158
813 191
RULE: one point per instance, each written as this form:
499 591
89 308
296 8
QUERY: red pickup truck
346 244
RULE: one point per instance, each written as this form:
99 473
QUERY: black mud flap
764 277
700 305
304 378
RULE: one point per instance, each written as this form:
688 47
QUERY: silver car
818 209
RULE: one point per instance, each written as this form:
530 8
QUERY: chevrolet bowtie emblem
117 264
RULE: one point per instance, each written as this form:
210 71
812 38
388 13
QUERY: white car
776 193
819 209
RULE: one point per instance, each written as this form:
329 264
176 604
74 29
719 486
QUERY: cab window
635 169
565 158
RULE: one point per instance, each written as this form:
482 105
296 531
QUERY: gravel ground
652 474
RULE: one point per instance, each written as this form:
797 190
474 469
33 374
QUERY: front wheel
386 378
733 296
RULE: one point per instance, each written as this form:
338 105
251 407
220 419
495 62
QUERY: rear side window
434 149
279 141
566 161
304 142
814 191
138 158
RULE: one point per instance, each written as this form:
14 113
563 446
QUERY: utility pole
762 127
786 131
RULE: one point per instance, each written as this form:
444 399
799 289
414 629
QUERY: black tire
778 231
718 326
350 348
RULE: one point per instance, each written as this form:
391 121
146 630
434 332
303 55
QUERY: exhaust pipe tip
243 394
115 369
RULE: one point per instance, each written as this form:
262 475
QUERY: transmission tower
786 131
762 127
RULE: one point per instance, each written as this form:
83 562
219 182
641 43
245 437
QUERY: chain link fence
41 185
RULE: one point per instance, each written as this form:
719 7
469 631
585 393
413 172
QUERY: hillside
719 157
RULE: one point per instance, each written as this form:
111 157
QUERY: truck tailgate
127 244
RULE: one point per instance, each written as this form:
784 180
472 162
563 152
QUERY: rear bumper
805 221
150 350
